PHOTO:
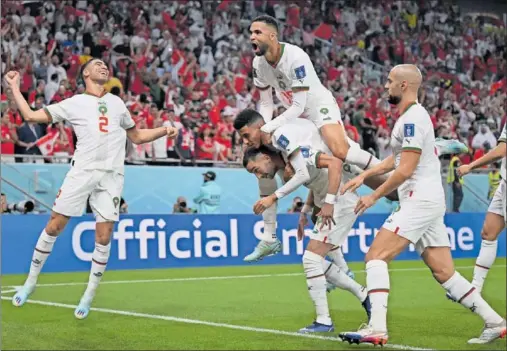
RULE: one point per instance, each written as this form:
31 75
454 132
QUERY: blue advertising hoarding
164 241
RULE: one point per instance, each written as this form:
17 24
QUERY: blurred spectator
181 206
494 179
297 205
194 58
185 143
485 139
205 146
63 143
3 204
208 199
456 183
28 134
9 138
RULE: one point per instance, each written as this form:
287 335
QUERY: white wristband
307 209
330 199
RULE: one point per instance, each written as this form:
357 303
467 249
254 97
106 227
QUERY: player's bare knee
318 247
488 233
56 224
442 273
338 147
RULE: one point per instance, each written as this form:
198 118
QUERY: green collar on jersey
408 107
281 54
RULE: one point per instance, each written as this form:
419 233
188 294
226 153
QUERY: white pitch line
8 291
227 277
211 324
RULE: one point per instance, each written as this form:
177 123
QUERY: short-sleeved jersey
100 124
301 134
294 71
503 138
413 131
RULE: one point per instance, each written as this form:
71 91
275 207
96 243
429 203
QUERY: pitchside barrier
167 241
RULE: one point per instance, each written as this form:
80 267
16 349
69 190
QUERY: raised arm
39 116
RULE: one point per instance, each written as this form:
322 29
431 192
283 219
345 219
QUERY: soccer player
289 71
496 216
329 233
420 219
102 123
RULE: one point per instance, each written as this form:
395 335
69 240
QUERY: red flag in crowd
501 84
293 18
169 21
224 5
46 144
323 31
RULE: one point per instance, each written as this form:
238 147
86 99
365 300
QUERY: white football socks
337 276
100 257
485 260
316 282
361 158
377 283
467 295
41 252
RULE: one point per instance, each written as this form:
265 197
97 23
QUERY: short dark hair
252 153
246 118
268 20
83 67
115 91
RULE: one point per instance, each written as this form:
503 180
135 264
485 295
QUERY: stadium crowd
188 63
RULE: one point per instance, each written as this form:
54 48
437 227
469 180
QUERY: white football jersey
301 134
99 124
294 71
413 131
503 138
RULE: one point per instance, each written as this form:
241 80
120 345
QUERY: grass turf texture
419 313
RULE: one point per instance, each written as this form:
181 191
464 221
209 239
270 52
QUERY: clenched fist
172 132
12 79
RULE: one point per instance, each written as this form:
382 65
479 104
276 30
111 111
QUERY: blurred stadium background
188 64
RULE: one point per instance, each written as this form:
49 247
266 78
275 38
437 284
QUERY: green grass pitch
222 308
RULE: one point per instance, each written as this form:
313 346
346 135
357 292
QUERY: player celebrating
420 219
289 70
496 216
329 232
102 123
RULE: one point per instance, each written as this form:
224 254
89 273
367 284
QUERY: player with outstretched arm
102 124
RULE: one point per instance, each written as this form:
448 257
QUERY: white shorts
103 187
344 218
422 223
499 203
325 113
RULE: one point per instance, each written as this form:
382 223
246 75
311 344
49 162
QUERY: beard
262 48
394 100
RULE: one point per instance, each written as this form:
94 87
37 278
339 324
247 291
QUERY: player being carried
289 71
102 124
314 167
420 219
